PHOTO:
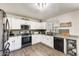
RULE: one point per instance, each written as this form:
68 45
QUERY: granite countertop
19 35
68 37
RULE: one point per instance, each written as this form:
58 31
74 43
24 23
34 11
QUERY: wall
71 16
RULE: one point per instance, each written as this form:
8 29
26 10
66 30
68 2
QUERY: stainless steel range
26 37
26 40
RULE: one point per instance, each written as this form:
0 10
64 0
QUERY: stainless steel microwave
25 27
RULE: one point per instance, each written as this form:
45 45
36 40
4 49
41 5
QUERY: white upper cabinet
43 25
37 25
34 25
14 23
24 22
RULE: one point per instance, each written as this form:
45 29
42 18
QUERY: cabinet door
45 40
43 37
50 41
35 39
43 25
17 42
35 25
15 23
12 43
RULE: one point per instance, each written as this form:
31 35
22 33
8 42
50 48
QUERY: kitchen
58 32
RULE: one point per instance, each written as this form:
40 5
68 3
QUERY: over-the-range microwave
25 27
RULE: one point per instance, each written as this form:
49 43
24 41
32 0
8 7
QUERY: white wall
71 16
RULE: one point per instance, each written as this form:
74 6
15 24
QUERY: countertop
66 37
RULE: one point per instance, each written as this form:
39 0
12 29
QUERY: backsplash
19 32
64 32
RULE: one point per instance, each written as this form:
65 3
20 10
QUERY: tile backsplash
64 32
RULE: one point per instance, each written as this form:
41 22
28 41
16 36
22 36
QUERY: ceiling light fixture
41 5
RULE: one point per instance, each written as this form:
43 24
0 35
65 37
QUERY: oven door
26 40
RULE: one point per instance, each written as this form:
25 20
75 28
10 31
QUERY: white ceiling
30 10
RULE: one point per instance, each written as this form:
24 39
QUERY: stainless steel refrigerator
4 34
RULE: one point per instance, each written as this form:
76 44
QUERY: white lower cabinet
18 43
15 43
43 39
51 42
12 46
48 40
35 39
